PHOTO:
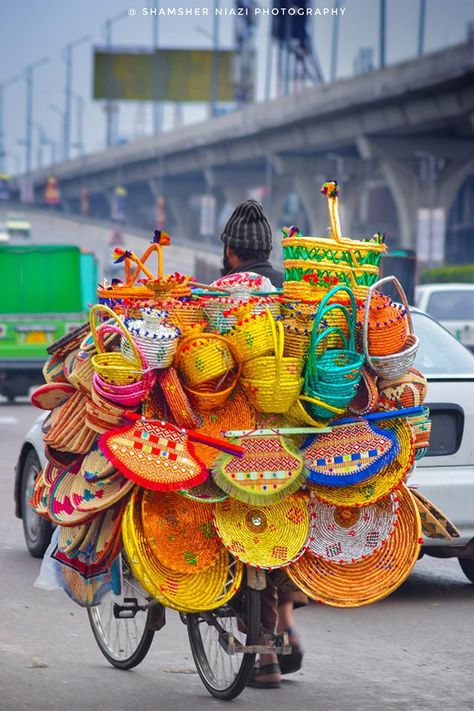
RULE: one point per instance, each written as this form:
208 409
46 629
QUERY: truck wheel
467 567
37 530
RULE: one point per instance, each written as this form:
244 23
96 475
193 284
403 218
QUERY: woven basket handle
365 330
321 403
311 373
118 324
328 331
345 312
278 335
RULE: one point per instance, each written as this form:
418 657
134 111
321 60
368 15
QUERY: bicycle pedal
128 609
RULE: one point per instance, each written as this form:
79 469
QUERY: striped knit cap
248 228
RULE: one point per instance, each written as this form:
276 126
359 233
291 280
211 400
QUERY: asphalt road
411 651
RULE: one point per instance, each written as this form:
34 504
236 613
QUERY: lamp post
110 107
29 76
68 58
60 113
3 85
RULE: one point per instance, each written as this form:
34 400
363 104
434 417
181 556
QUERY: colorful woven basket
397 364
206 357
369 579
434 523
381 484
387 325
252 336
156 339
178 408
345 535
407 391
180 531
265 536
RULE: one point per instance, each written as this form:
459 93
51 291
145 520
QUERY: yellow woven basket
205 357
115 368
252 336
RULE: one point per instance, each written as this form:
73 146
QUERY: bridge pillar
420 178
183 215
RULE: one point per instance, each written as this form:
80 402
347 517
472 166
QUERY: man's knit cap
248 228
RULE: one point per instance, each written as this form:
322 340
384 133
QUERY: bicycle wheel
124 627
223 674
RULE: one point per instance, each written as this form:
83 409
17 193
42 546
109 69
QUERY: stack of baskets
153 408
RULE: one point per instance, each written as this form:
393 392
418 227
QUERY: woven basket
397 364
387 325
272 383
213 393
184 313
156 340
204 358
367 397
407 391
125 395
353 584
252 336
115 368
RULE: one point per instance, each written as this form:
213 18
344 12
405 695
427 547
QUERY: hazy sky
32 29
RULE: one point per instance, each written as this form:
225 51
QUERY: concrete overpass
408 127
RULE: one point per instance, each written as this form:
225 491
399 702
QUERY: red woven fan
158 455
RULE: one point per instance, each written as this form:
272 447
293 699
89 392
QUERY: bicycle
224 642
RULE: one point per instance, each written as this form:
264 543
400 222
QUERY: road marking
9 421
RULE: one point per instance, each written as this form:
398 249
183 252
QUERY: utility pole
215 60
156 69
29 75
3 86
421 28
68 58
335 41
60 113
383 17
79 123
110 106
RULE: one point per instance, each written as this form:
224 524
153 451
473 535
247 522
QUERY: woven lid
52 395
265 536
180 531
348 534
434 523
186 592
154 454
269 470
383 482
371 578
349 454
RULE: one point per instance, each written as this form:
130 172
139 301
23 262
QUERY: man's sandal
266 670
291 663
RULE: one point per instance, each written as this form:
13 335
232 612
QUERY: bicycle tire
206 656
123 642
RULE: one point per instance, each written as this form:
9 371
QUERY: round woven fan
269 470
235 413
265 536
39 498
60 506
368 579
180 531
348 534
349 454
92 496
61 460
380 485
95 465
71 537
207 492
185 592
52 395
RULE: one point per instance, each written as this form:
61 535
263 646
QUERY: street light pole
60 113
110 106
383 14
29 74
68 56
3 85
421 28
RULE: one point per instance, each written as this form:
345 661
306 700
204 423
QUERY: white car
445 475
452 305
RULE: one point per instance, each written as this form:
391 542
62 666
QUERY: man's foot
291 663
265 677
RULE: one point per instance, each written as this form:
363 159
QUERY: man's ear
231 256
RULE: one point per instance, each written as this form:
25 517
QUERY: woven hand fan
88 496
269 470
349 534
349 454
207 492
180 531
158 455
95 465
265 536
60 506
434 523
52 395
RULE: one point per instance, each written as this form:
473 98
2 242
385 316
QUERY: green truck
46 290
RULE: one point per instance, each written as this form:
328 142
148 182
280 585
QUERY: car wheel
37 530
467 567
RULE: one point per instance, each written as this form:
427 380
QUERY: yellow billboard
163 75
